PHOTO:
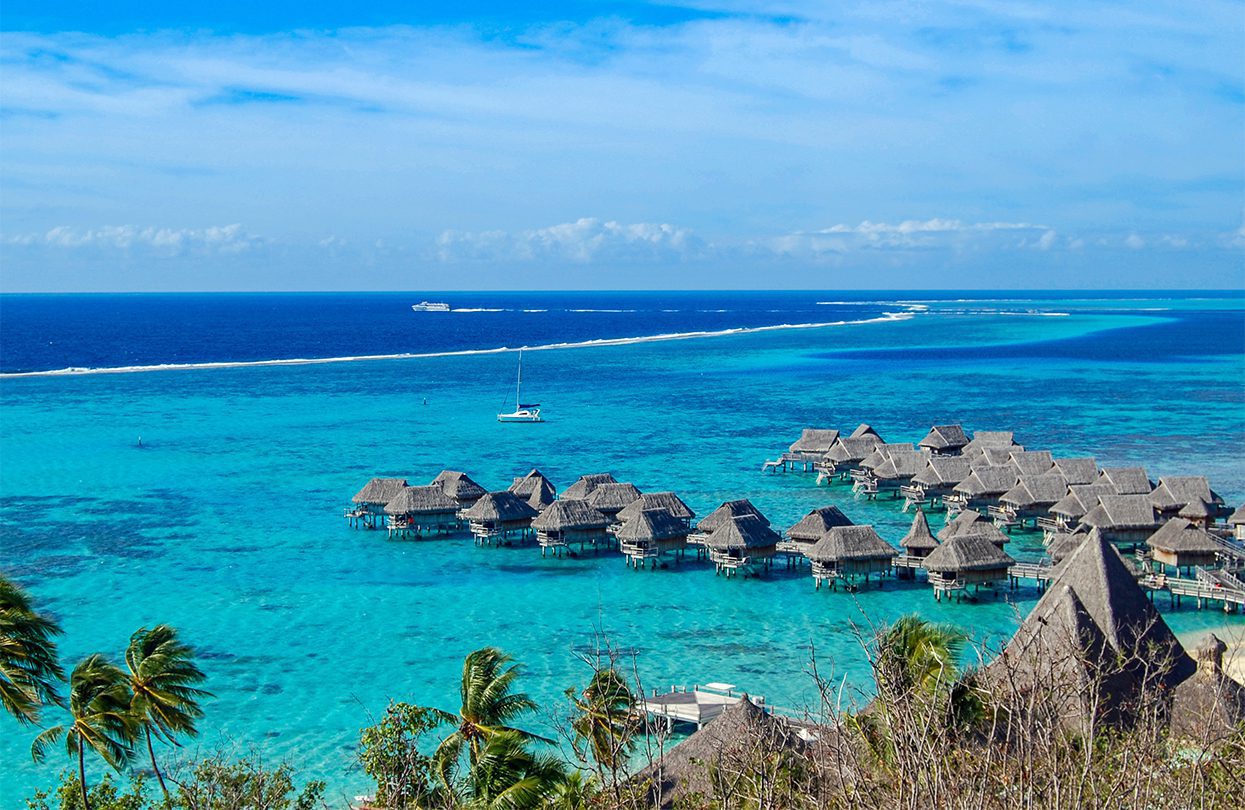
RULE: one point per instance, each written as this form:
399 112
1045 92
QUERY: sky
722 144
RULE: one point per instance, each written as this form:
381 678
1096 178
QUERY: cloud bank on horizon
623 145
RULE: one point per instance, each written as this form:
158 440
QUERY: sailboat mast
518 384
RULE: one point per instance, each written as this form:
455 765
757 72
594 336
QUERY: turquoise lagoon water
227 522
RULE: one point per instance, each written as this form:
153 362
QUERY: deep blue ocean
226 521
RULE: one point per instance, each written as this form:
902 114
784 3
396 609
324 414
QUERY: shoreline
1232 634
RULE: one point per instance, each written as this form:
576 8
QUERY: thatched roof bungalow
990 457
1174 492
940 476
983 439
811 527
1032 462
459 486
983 487
1237 521
813 443
1089 647
649 534
919 541
422 510
848 552
847 454
377 493
731 509
864 430
565 522
1033 496
972 522
944 440
1123 518
499 517
1081 498
1082 470
584 485
882 452
1064 543
1126 480
964 560
1199 512
1208 707
741 542
898 469
536 489
1181 544
610 499
668 501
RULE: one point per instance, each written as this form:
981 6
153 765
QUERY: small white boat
523 412
431 306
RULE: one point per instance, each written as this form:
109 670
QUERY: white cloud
584 240
217 239
1134 241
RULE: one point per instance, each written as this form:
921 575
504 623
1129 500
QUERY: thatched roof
725 512
967 552
1032 462
743 532
987 481
1126 480
657 500
1180 536
458 485
1197 509
583 487
1208 706
990 457
943 471
1237 518
499 506
534 483
901 466
919 537
1094 622
543 495
989 438
650 525
864 430
971 522
380 491
613 498
1064 543
816 523
1121 512
1083 470
1080 499
429 500
1175 491
730 739
850 543
882 452
1036 491
852 450
563 515
815 440
944 437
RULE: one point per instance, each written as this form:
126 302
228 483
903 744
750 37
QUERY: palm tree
162 676
918 657
489 706
606 718
99 704
29 667
506 774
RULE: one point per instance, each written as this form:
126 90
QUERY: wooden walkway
697 705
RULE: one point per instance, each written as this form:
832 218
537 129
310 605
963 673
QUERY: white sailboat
523 412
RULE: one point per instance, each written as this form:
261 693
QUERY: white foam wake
582 344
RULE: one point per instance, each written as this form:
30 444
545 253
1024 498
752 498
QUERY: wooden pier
697 705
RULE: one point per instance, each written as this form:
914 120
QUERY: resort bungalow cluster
1179 525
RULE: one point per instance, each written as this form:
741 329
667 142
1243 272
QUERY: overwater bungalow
813 444
647 535
1062 544
1032 462
996 439
964 560
536 489
916 545
611 499
1126 480
584 485
668 501
1090 646
944 440
459 486
899 468
1082 470
849 552
1183 545
1031 498
863 430
810 528
940 476
982 489
565 522
420 511
1123 519
1237 522
1066 513
369 502
499 517
862 474
847 454
973 522
1174 492
742 543
731 509
1199 513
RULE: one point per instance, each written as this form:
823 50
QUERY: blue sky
590 145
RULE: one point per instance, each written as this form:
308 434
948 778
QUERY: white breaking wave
582 344
478 309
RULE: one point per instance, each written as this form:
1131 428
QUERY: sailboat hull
520 416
